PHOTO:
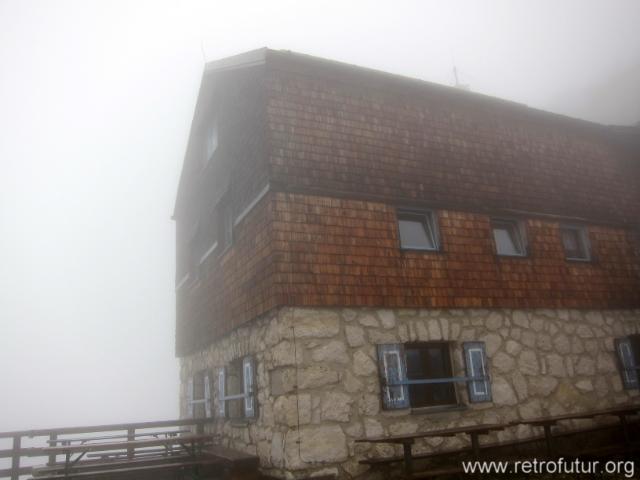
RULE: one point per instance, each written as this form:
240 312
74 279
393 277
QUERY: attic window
418 230
211 141
576 243
509 237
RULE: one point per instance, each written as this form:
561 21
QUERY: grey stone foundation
318 385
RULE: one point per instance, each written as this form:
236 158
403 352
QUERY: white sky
96 100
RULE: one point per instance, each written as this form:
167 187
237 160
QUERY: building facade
363 254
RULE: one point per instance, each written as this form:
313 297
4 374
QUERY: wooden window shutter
249 391
207 395
628 368
475 359
190 409
221 393
391 364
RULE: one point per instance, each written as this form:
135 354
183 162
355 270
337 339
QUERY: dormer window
211 141
575 242
509 237
418 230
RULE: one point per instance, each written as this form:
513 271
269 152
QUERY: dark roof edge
384 80
241 60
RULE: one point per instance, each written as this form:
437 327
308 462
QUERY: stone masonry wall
542 362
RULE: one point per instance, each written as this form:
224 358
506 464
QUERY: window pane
416 231
507 238
428 361
212 140
574 244
235 386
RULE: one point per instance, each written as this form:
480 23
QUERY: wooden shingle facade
331 151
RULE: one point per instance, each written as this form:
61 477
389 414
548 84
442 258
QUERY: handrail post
15 458
200 427
131 436
53 437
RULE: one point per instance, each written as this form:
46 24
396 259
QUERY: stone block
334 351
355 335
317 376
363 364
387 318
309 323
336 406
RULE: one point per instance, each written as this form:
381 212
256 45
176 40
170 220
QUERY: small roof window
575 241
509 237
418 230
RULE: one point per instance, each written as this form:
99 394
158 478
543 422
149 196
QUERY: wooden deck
148 450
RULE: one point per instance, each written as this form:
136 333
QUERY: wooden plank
116 471
96 447
124 435
6 472
52 438
15 458
105 464
23 452
446 432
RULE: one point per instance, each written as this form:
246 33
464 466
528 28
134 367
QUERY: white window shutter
221 393
628 368
393 371
190 410
249 393
207 396
475 360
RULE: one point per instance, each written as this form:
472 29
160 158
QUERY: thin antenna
457 83
204 57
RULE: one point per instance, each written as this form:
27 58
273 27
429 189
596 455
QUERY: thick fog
96 100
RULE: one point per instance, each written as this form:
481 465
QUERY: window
225 221
421 374
428 361
509 237
236 392
199 395
211 141
576 243
418 230
628 351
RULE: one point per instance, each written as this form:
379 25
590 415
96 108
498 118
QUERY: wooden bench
130 470
387 461
81 440
89 465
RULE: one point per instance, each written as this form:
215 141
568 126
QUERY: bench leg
547 439
475 445
408 459
625 429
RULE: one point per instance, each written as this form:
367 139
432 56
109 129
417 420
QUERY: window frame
396 378
631 343
583 238
225 226
249 398
429 219
519 228
205 400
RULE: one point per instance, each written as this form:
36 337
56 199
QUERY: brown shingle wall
346 252
236 286
330 136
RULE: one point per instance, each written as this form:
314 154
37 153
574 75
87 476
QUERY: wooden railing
52 435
